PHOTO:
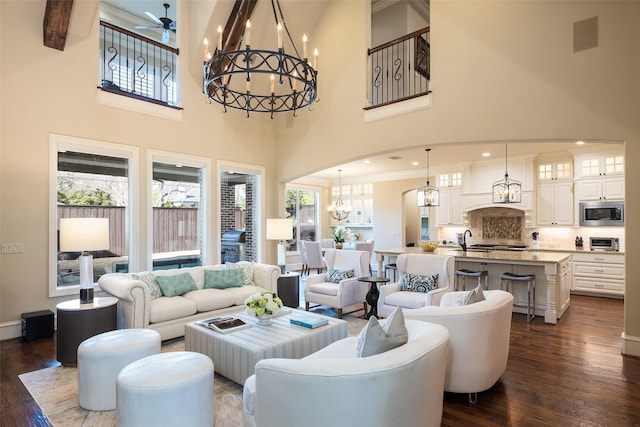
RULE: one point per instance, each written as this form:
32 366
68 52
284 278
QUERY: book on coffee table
310 322
224 325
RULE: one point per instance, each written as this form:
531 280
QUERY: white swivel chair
322 291
392 295
480 334
315 261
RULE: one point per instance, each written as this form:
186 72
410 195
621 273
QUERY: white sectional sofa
140 306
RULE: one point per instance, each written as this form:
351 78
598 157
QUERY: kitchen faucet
463 243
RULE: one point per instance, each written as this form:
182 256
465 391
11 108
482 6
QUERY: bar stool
464 273
530 280
393 267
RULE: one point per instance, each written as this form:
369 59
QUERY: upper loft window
138 56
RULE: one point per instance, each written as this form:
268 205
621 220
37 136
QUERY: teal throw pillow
418 282
221 279
147 279
337 276
176 285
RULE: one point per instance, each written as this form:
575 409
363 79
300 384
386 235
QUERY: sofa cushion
406 299
242 293
337 276
325 288
221 279
147 278
210 299
376 338
165 308
246 267
419 283
176 284
475 295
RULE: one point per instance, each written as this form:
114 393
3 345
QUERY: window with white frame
89 179
302 206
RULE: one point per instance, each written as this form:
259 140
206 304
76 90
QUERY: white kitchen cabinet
550 171
599 164
555 203
600 189
598 273
450 210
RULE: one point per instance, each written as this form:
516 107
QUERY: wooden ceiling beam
57 16
233 30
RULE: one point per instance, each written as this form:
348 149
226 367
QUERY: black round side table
77 322
373 294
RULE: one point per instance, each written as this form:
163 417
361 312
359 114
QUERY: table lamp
84 235
280 229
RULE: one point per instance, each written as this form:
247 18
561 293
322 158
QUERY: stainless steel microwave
605 214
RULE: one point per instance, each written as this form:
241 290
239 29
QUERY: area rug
55 390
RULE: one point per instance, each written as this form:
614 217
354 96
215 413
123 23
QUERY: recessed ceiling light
485 154
579 142
415 163
367 161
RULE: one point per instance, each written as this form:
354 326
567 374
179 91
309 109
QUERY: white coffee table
235 354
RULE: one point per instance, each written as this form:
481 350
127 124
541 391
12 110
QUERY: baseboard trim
630 345
10 330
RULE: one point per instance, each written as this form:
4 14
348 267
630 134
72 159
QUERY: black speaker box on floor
38 324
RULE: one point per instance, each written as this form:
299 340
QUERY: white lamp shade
279 229
84 234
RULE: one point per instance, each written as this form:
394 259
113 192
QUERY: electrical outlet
12 248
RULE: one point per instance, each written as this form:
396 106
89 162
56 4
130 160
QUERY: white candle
304 46
273 83
315 59
294 79
206 48
279 28
248 85
219 37
247 33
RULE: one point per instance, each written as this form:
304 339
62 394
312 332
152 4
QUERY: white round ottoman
102 357
168 389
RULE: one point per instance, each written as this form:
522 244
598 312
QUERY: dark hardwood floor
570 374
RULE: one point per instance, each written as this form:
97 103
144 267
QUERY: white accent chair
480 334
400 387
392 295
315 261
318 290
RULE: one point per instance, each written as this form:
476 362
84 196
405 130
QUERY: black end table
77 322
289 289
374 293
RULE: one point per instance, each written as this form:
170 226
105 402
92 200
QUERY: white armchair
319 290
480 334
392 295
400 387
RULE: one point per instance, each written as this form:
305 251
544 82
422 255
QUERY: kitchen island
552 270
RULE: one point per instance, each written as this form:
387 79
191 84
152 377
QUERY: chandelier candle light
84 235
428 195
506 190
339 211
240 79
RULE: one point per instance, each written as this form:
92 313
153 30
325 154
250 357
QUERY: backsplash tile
502 227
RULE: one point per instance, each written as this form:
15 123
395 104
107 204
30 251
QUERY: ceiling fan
165 23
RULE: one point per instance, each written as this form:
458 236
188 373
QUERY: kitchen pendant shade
428 195
506 190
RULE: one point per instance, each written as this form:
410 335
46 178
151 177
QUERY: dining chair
328 243
314 256
303 257
366 246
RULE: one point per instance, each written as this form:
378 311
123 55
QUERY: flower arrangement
263 303
342 233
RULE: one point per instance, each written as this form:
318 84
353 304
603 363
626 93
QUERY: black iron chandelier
258 80
339 211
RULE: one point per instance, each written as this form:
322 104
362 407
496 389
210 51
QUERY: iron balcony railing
137 67
400 69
